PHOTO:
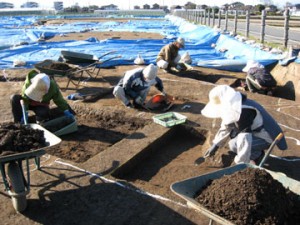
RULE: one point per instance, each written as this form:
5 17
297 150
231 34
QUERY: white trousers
162 64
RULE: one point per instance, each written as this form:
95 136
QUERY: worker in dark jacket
37 92
136 84
168 57
249 128
258 79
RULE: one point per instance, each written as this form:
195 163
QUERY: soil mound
15 138
250 196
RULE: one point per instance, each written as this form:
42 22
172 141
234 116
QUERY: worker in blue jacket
136 84
249 128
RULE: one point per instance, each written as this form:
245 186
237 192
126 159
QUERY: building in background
30 5
59 6
5 5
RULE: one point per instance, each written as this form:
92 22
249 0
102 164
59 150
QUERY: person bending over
249 128
37 92
136 84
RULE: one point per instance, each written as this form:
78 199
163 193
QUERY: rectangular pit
174 152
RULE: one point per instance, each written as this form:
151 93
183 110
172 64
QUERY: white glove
139 100
164 93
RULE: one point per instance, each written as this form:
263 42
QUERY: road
273 34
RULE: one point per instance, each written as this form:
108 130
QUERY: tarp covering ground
21 39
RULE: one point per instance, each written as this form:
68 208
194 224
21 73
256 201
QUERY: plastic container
54 126
169 119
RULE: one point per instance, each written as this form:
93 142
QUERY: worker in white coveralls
169 59
136 84
249 127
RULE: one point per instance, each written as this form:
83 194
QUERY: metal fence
230 21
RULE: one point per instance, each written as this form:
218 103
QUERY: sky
129 4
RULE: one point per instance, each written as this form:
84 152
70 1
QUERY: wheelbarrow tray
44 68
77 57
187 189
51 140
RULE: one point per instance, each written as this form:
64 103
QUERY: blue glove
75 96
69 114
139 100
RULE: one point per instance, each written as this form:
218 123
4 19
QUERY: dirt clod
15 138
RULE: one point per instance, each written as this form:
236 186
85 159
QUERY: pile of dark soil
250 196
58 66
16 138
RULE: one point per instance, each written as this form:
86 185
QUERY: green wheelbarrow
16 185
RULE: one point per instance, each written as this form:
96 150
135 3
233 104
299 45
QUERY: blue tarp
202 43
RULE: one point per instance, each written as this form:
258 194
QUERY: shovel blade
199 161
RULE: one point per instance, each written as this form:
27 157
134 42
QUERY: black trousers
42 113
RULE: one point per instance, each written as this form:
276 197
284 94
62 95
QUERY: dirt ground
119 166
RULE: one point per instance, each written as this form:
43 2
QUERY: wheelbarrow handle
276 140
106 54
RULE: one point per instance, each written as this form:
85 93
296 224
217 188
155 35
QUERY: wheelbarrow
72 67
187 189
16 185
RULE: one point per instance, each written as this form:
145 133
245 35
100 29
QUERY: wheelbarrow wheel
17 187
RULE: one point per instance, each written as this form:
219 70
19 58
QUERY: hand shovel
202 158
23 111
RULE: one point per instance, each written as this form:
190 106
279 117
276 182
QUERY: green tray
69 128
169 119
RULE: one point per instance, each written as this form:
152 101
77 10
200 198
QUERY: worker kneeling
136 84
170 60
249 127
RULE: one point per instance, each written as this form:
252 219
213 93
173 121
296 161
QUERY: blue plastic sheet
20 40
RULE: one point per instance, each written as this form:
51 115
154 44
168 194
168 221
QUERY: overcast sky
126 4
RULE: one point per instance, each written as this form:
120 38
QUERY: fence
222 18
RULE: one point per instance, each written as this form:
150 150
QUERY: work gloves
211 151
139 100
69 114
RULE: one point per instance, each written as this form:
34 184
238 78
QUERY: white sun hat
252 64
39 86
225 103
150 72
